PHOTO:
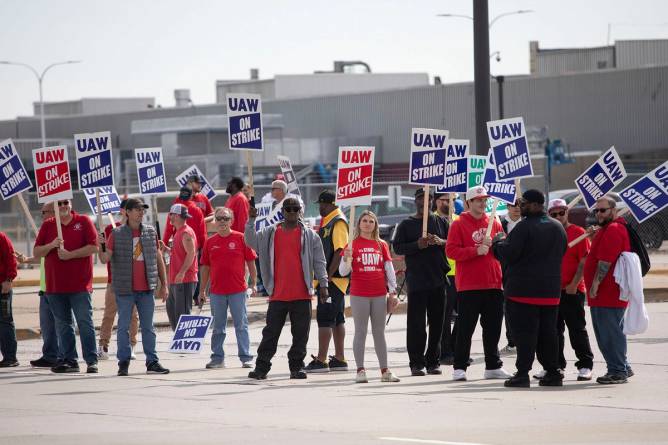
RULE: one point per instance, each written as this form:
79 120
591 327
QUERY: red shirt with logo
240 206
573 256
367 278
139 281
178 256
474 272
68 276
289 282
226 257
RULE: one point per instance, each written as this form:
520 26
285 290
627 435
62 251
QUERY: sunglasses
63 203
223 218
601 210
292 209
555 214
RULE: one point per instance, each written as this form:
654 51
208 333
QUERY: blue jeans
62 306
7 328
145 303
237 305
47 327
609 330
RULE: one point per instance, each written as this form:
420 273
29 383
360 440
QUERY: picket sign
492 217
574 202
24 206
577 240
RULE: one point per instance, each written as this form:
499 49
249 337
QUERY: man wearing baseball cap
199 199
183 265
479 286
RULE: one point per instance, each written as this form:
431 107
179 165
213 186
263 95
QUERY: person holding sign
196 222
532 255
7 329
426 268
479 286
238 203
225 258
291 256
607 310
138 271
68 266
200 199
368 261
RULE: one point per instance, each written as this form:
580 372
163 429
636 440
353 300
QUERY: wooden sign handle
495 204
580 238
351 228
24 206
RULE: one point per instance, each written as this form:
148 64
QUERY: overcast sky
142 48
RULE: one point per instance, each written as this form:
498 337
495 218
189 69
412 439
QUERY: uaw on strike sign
648 195
601 177
428 156
244 118
93 152
508 140
52 173
354 182
193 170
150 170
13 176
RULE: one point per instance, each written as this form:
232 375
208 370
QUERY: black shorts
330 315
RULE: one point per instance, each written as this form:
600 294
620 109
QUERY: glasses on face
292 209
63 203
555 214
223 218
601 210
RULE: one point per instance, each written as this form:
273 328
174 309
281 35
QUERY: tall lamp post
40 79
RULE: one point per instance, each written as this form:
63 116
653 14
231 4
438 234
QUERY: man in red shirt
196 222
7 328
200 199
238 203
69 282
225 258
607 310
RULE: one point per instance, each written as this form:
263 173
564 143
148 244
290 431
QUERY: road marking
436 442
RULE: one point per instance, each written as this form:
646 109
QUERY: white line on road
437 442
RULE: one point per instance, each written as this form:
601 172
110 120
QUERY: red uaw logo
478 235
77 226
232 245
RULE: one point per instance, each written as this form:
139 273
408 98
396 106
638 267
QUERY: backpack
638 247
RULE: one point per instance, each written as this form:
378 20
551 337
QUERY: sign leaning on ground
456 167
288 174
601 177
94 165
648 195
502 190
189 334
193 170
354 181
244 118
150 170
13 175
508 140
110 202
428 156
52 173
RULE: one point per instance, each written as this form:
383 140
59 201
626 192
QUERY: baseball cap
179 209
557 204
476 192
533 195
135 203
326 197
194 178
420 192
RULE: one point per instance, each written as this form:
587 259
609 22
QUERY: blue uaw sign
189 334
150 170
648 195
603 176
503 190
508 140
428 156
266 216
456 167
13 176
110 202
193 170
93 152
244 117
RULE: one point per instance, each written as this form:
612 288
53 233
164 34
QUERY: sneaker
92 369
215 364
447 360
257 375
361 377
64 367
584 374
629 372
337 365
317 366
540 374
418 372
508 349
611 379
132 353
388 376
102 353
42 363
499 373
552 379
434 370
459 375
518 381
297 375
156 368
123 368
9 363
248 364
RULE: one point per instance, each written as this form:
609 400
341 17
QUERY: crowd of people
466 269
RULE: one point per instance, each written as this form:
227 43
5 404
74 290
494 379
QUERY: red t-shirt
202 202
289 283
573 256
239 205
107 232
609 242
226 256
196 222
139 281
367 278
70 276
474 272
178 256
7 260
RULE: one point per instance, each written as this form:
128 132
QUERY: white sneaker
459 375
540 374
388 376
361 377
248 364
497 374
102 353
132 353
584 374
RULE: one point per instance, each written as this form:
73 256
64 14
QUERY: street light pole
481 77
